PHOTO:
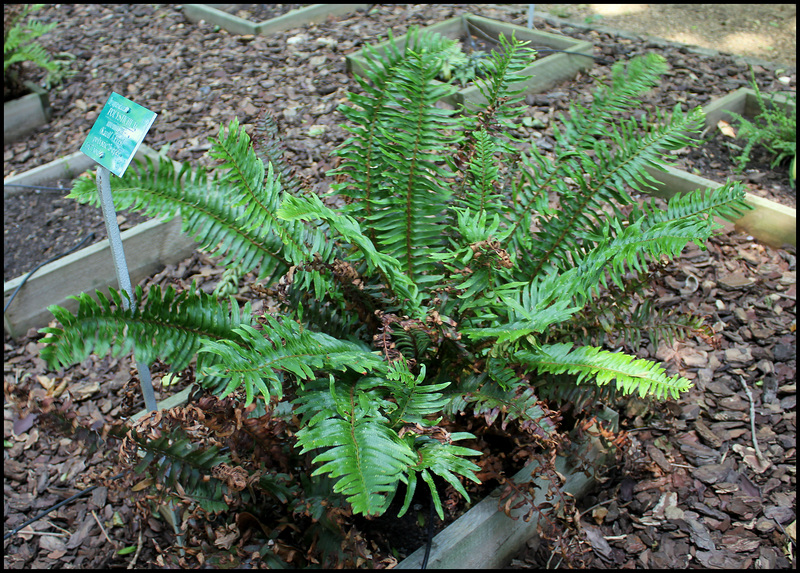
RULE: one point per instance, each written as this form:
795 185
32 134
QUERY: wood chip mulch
709 481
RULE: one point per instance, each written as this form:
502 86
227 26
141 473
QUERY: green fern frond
481 195
232 215
533 308
310 207
445 460
629 374
408 214
415 401
362 162
364 455
580 132
257 359
18 39
398 159
727 202
599 183
247 186
629 80
173 459
476 254
774 127
502 87
171 327
207 215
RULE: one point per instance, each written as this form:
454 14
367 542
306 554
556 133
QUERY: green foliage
452 281
19 45
774 128
174 458
463 68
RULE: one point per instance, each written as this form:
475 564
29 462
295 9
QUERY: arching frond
257 359
169 327
629 374
360 450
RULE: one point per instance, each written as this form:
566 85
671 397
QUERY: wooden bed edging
546 72
311 14
485 537
149 247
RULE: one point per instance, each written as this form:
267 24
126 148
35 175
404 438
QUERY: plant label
118 133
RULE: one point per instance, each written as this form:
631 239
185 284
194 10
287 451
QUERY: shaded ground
688 487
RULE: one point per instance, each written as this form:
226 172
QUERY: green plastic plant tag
118 133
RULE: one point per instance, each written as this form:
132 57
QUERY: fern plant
774 128
448 282
19 45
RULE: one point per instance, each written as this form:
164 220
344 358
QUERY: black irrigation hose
40 265
429 542
56 506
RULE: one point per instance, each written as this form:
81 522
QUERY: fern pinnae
170 328
360 451
206 215
362 161
259 194
580 130
605 185
629 373
256 360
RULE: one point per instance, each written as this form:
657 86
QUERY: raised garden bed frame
769 222
148 248
312 14
548 69
23 115
485 537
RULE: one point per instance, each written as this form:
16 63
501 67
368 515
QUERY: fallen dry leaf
24 424
726 128
749 457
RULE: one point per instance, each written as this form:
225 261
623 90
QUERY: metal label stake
123 276
116 135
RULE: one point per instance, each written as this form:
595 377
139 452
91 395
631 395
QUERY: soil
65 225
686 488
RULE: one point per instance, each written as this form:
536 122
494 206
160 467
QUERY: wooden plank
312 14
25 114
213 14
717 109
148 248
770 222
546 71
742 101
486 538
